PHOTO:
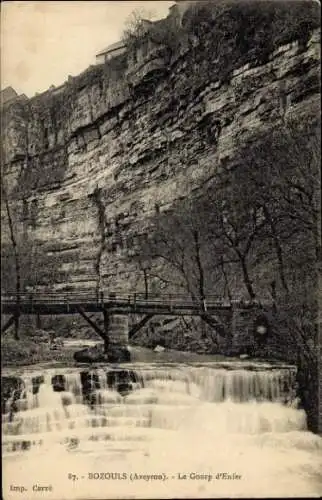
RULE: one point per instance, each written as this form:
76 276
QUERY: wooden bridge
111 304
135 303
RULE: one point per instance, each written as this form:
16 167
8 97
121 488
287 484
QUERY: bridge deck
175 305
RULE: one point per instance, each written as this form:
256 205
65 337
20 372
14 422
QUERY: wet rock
123 381
36 382
90 383
10 386
115 354
58 382
90 355
136 377
118 354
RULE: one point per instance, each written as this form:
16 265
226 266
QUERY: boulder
115 354
59 383
10 386
36 383
89 355
118 354
121 380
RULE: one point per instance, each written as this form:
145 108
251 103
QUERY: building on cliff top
113 50
118 48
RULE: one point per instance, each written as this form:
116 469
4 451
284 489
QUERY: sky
43 42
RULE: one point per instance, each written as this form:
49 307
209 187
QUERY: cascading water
151 431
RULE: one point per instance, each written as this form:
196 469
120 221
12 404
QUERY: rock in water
118 354
115 354
89 355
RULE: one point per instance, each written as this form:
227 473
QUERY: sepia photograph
161 327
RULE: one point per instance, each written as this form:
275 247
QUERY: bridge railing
135 299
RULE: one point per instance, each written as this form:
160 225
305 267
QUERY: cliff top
258 26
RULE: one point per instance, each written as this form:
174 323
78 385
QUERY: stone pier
118 338
118 330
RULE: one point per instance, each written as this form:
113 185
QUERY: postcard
161 249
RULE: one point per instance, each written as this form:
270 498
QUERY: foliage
136 27
244 27
281 173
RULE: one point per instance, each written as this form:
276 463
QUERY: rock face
88 163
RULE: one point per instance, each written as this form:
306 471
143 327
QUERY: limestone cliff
88 163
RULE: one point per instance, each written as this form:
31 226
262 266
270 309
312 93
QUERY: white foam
187 420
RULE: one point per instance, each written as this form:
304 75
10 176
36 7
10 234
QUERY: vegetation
32 350
253 28
255 223
25 264
135 25
253 231
15 254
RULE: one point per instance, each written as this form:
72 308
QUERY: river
177 426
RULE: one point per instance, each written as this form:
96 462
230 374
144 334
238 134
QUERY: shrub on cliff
277 22
137 26
229 29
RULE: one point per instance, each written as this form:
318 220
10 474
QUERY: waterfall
208 417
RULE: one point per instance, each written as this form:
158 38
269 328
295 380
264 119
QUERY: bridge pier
118 330
116 346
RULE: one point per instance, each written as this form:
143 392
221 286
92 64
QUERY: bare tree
136 26
234 223
17 263
282 175
26 266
